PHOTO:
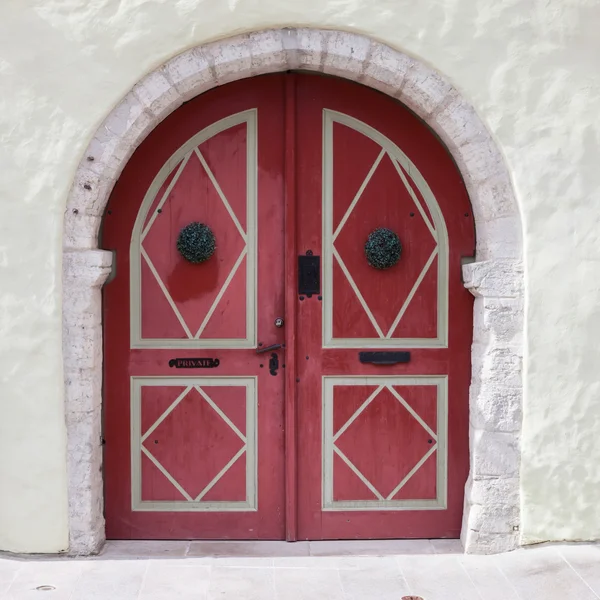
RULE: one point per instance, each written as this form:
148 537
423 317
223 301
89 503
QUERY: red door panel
384 448
182 446
371 451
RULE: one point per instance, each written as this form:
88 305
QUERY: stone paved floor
434 570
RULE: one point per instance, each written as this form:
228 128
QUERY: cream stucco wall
529 68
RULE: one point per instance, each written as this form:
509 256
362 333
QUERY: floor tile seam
143 582
404 578
14 578
514 596
273 585
510 583
564 558
464 568
77 581
339 576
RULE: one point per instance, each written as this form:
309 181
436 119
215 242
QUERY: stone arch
492 512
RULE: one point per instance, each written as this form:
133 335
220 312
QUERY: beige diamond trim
438 448
353 418
201 385
221 414
331 255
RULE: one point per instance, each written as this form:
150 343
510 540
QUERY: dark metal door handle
268 348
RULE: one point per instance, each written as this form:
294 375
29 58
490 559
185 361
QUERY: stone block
479 160
497 365
267 51
82 389
494 454
83 269
86 346
502 320
496 408
345 54
494 518
88 194
385 69
424 90
230 61
81 232
491 491
104 155
494 278
311 44
500 238
493 198
158 94
190 73
477 542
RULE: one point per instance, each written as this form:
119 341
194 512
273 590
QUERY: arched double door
287 337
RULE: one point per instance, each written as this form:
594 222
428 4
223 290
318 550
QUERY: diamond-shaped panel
384 443
384 202
194 443
194 288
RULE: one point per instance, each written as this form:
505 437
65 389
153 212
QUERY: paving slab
431 570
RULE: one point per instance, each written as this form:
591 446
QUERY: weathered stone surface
158 94
497 365
494 518
496 408
477 542
190 73
494 454
345 54
495 278
385 69
230 61
423 90
84 273
493 491
268 52
499 321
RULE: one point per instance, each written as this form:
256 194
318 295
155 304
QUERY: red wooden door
303 441
384 447
182 445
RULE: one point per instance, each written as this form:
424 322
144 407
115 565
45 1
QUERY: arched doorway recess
491 515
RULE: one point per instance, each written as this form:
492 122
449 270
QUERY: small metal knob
278 322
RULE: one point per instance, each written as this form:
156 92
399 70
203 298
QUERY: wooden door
193 415
383 447
207 438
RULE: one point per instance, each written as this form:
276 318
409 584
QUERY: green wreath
383 248
196 242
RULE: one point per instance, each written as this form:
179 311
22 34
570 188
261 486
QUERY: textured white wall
529 68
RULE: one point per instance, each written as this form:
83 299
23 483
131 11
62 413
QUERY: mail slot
384 358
